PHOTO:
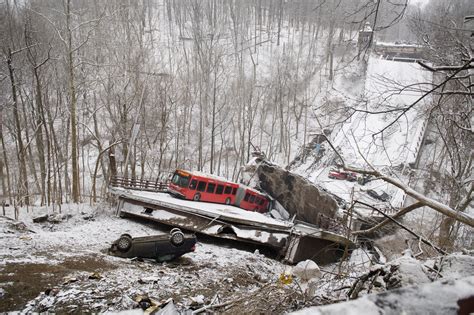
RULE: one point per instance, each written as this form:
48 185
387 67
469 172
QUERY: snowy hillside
363 138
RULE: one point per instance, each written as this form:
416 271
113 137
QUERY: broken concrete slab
296 194
294 241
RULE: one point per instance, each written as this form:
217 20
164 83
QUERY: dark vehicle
364 179
382 197
352 177
159 247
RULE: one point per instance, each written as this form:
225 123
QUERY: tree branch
403 227
446 68
400 213
433 204
464 67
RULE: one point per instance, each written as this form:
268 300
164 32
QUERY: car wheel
124 243
197 197
173 230
177 238
227 201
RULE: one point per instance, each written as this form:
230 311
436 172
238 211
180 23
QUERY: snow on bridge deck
398 145
221 211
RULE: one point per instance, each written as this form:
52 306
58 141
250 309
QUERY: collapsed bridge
294 241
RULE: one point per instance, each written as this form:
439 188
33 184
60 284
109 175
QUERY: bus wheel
197 197
227 201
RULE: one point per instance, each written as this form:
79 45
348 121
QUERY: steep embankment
383 130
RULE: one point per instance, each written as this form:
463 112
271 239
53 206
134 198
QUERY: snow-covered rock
411 271
440 297
296 194
307 270
457 266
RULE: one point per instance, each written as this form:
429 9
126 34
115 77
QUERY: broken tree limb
400 213
433 204
446 68
459 69
403 227
210 306
205 307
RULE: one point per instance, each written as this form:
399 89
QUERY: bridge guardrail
138 184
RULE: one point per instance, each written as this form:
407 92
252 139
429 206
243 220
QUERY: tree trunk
112 162
76 191
23 178
213 123
40 122
5 163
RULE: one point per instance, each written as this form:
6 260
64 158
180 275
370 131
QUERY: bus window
228 190
252 199
180 180
201 186
210 188
262 201
247 196
234 191
220 189
193 184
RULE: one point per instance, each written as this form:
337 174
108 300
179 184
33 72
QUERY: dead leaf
95 276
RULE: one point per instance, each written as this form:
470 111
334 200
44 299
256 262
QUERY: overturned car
158 247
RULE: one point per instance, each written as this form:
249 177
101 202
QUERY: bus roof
211 176
221 179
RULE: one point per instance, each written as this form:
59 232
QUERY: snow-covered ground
64 267
40 255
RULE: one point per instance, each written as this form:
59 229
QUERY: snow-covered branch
426 201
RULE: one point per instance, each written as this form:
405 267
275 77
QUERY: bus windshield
180 180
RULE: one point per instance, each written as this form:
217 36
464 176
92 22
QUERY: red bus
204 187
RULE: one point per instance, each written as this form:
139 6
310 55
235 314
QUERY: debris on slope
57 266
440 297
406 271
314 150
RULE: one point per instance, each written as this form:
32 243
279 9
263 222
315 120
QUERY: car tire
124 243
227 201
177 238
197 197
174 230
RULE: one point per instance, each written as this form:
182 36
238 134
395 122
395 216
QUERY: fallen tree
423 200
